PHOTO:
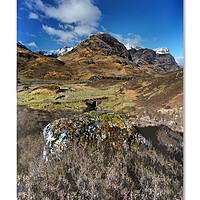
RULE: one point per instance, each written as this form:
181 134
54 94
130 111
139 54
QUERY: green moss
111 128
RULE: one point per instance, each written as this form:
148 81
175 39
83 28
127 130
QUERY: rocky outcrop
112 129
93 104
107 44
156 61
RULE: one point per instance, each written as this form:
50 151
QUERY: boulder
112 129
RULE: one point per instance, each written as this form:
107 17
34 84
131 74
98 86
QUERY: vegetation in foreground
147 94
89 171
97 172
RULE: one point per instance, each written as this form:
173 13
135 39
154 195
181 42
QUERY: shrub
97 172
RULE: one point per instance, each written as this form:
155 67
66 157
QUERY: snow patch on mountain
162 50
129 46
55 53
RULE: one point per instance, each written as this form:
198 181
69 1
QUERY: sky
52 24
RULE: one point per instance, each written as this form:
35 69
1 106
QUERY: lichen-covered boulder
113 129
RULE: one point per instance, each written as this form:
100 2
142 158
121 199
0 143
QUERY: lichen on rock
90 128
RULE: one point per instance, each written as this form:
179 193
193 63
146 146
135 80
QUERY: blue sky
50 24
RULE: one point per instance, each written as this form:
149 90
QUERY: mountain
101 55
157 61
129 47
55 53
31 65
19 44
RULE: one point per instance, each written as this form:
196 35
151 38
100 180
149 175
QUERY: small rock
171 123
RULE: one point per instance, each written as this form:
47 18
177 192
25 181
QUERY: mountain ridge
31 65
98 55
55 53
101 55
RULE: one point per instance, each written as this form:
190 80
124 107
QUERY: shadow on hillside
164 140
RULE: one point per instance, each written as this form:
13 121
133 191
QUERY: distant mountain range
55 53
98 55
162 50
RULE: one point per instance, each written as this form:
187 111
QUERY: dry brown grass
97 172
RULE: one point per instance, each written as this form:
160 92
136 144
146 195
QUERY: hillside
101 55
98 55
157 61
32 65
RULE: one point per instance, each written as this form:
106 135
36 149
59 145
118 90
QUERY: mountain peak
55 53
102 43
162 50
105 37
100 55
100 34
129 47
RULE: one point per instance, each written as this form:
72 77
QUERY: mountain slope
101 55
157 61
32 65
98 55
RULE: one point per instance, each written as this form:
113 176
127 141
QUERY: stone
90 128
171 123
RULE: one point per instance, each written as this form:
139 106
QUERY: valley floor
153 106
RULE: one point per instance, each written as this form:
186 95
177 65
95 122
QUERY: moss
108 127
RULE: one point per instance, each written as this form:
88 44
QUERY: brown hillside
165 91
31 65
100 55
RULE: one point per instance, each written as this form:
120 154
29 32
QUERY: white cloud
74 11
82 30
63 36
134 40
180 60
33 16
66 26
76 17
32 44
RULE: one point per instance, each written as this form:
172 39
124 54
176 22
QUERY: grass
97 172
94 171
34 96
47 99
139 96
